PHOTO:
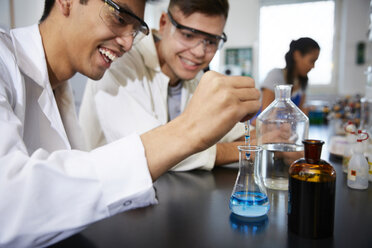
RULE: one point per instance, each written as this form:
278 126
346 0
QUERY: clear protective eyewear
191 37
122 22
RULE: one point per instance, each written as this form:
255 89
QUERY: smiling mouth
108 55
188 62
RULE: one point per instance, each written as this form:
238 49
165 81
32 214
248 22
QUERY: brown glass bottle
311 195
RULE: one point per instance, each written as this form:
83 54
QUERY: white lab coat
132 96
49 190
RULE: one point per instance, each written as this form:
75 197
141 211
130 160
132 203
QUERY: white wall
27 12
153 12
242 28
4 13
353 29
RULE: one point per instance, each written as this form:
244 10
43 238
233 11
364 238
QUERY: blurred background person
300 59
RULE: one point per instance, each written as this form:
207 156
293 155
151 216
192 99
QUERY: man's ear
64 6
162 22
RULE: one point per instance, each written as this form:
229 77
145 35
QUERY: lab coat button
127 203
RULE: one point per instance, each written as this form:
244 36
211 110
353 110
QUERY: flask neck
283 92
361 136
313 150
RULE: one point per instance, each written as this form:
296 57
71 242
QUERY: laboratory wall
27 12
354 23
5 14
242 28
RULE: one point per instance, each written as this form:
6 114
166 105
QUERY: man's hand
218 103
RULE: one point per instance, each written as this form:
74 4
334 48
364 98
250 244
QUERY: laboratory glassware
280 128
350 131
311 194
357 173
249 196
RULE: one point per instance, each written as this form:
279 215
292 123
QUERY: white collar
29 53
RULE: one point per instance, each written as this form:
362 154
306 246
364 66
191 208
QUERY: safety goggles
190 37
122 22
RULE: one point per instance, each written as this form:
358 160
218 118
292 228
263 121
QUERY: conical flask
280 128
249 197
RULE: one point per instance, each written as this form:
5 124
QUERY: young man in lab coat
50 188
153 83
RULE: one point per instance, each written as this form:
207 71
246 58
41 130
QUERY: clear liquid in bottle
276 160
280 128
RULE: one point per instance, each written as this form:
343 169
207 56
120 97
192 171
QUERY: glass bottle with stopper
311 195
280 128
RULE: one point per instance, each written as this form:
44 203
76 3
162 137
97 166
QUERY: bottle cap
362 136
350 128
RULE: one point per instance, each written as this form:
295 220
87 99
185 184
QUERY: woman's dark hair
304 46
208 7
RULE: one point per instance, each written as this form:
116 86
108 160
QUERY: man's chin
95 76
187 76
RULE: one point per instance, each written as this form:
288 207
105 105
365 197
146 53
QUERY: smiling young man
154 82
50 188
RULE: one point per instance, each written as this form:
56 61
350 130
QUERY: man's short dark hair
208 7
49 5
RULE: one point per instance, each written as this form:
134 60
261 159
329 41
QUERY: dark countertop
193 212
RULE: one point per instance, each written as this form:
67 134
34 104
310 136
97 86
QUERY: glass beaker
249 197
280 128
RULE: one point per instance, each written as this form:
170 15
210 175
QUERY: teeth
188 62
108 54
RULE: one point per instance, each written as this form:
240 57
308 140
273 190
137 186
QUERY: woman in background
300 59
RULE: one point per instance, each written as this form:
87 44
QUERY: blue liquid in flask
249 204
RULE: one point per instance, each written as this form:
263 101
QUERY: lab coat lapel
29 53
151 61
66 105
